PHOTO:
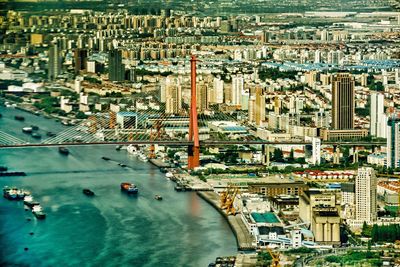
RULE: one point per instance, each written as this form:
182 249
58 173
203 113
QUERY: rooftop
267 217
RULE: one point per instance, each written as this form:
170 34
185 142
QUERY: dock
243 238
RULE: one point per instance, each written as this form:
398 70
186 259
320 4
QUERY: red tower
193 149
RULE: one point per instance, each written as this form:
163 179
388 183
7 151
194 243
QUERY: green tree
80 115
278 155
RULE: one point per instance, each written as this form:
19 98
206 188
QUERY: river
111 228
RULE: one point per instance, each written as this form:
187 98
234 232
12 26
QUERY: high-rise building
218 90
173 95
202 97
80 57
55 60
393 143
116 70
366 210
378 117
237 88
259 106
316 151
342 101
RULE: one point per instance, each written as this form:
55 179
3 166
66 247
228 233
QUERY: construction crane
275 258
227 198
224 196
230 209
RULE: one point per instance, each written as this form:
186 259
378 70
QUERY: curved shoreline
243 238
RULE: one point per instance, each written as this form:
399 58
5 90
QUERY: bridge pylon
193 149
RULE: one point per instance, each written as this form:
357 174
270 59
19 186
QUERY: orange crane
275 258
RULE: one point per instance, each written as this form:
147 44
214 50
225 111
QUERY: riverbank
243 237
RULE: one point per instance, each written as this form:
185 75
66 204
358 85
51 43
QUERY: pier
243 238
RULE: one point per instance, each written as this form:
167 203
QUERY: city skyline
275 128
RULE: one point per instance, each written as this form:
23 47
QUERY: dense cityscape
244 133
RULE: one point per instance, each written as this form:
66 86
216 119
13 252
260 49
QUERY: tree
80 115
278 155
291 155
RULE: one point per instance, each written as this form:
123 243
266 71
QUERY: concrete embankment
243 237
159 163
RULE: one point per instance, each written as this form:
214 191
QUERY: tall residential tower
342 101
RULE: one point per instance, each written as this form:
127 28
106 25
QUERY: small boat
118 147
38 212
105 158
88 192
27 130
63 150
169 175
158 197
34 127
178 188
122 165
50 134
36 135
129 188
10 193
14 193
19 118
28 201
143 158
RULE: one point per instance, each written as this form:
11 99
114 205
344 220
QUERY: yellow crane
224 195
275 258
230 209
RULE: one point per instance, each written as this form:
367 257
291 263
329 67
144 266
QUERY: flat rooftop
266 217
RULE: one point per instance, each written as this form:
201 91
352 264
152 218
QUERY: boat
158 197
143 158
10 193
38 212
34 127
63 150
88 192
27 130
14 193
178 188
28 201
105 158
19 118
118 147
169 175
129 188
36 135
122 165
131 149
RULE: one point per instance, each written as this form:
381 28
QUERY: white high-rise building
237 88
317 56
173 93
316 151
218 90
378 117
366 210
393 143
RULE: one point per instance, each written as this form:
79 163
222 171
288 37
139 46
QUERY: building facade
365 195
342 101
